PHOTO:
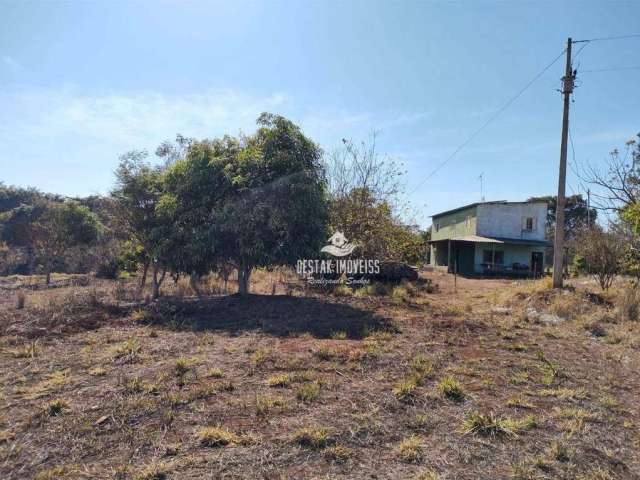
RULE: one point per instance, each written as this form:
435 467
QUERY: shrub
603 252
428 475
338 335
152 472
279 380
108 269
216 437
422 366
487 425
405 389
400 294
579 264
182 367
313 437
57 407
128 351
410 449
450 388
628 308
342 291
264 405
325 353
338 453
97 372
215 373
308 393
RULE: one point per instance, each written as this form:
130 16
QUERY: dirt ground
493 379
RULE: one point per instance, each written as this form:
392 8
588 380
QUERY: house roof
502 240
476 239
471 205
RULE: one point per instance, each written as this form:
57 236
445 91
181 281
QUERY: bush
108 269
603 252
579 264
629 305
313 437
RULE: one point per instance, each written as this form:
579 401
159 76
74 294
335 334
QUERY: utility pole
481 178
558 244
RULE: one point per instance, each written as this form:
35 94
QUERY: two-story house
490 237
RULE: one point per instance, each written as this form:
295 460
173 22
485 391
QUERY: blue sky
83 82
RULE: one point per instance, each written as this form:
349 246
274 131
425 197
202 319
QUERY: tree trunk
225 278
244 275
47 269
193 283
31 260
155 285
143 280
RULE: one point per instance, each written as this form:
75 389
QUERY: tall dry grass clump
628 304
570 304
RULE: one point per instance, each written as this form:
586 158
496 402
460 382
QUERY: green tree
60 227
17 228
276 209
139 188
577 214
196 187
254 201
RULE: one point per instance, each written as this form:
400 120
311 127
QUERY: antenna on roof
481 178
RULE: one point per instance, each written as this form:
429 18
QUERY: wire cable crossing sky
432 79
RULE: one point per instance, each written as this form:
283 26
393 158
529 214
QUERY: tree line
232 203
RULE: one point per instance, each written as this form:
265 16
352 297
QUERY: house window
528 224
468 222
437 227
488 257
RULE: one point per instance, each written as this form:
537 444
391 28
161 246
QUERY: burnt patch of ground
277 315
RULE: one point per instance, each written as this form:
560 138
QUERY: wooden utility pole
558 244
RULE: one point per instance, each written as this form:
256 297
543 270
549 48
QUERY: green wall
455 224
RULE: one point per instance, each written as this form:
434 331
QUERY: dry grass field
417 382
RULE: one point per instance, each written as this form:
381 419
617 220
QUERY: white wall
505 220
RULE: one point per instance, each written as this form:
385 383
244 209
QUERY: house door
536 263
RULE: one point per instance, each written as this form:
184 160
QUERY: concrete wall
439 254
456 224
506 220
512 253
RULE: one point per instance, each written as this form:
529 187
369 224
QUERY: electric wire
601 39
487 123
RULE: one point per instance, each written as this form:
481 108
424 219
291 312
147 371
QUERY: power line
490 120
601 39
581 48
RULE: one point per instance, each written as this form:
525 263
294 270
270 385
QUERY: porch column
449 255
493 256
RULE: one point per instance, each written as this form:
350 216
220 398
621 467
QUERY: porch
475 255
